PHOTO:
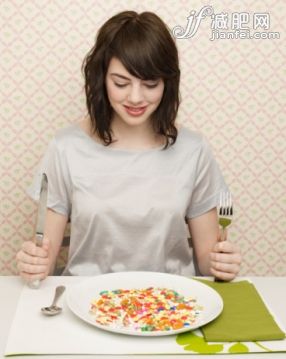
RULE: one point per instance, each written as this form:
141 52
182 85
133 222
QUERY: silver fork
225 212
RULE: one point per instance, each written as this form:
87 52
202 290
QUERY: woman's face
133 99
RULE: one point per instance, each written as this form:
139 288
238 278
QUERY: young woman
134 184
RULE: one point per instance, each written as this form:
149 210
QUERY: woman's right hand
33 262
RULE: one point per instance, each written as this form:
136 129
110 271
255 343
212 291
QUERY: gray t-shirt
128 207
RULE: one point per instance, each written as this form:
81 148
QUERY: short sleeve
208 183
54 165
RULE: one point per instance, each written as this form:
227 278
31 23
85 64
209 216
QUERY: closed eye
151 86
120 85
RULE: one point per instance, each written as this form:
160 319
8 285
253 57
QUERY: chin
134 121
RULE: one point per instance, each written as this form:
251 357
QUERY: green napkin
244 316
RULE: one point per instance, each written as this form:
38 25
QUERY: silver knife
42 207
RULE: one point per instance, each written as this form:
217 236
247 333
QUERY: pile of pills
148 309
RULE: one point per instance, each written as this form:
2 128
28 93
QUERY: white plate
79 296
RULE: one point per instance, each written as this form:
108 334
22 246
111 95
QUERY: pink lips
135 111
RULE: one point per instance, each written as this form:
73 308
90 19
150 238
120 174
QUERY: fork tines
225 204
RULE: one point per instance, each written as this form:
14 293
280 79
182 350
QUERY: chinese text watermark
228 26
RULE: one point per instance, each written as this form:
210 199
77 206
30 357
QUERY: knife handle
38 241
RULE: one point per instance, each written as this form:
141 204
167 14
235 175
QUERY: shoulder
67 137
65 134
191 140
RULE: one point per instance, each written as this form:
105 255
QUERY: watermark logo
236 25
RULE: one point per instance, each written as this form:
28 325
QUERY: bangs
140 52
145 47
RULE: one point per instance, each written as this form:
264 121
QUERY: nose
135 95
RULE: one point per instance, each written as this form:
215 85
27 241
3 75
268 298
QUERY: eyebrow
121 76
128 78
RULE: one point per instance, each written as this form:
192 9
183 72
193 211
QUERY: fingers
225 276
31 249
230 266
226 247
33 261
46 244
31 273
31 268
225 260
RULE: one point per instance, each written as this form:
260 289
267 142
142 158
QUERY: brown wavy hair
144 45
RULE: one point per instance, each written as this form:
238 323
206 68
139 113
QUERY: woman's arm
221 259
38 262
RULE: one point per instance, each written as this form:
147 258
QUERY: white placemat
33 333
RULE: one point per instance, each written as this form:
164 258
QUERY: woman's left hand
225 260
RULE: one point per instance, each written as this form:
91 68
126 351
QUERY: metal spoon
53 309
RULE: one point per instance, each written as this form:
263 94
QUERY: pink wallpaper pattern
232 90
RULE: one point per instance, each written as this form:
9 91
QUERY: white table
272 289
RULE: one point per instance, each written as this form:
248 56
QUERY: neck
134 137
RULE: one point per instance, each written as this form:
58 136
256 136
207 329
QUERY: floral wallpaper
232 90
